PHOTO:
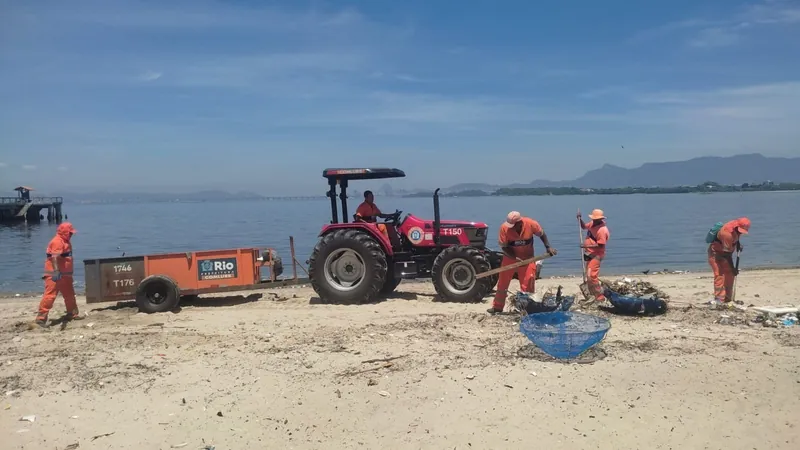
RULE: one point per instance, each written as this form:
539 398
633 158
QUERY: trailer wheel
157 293
454 274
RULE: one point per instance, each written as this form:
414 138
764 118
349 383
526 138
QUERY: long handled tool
736 266
524 262
583 286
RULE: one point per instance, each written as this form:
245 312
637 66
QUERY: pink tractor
357 261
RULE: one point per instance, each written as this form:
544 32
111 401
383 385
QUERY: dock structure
24 208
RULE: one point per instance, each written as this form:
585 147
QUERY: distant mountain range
751 168
733 170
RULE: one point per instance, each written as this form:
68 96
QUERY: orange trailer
158 281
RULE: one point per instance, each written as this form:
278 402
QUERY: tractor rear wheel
390 284
454 272
347 266
494 263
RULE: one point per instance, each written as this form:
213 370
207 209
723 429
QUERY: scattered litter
181 445
24 430
72 446
90 325
28 419
508 386
533 373
102 435
372 382
7 407
219 413
470 377
17 339
14 393
73 417
383 394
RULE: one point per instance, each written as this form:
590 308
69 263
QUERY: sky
178 95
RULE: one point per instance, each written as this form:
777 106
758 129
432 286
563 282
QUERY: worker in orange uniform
368 211
720 257
594 250
516 240
58 275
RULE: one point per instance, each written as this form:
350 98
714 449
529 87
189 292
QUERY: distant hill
751 168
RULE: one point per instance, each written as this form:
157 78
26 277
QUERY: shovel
583 286
733 290
524 262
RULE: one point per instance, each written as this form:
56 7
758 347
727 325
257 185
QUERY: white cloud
3 165
150 76
716 37
731 29
29 167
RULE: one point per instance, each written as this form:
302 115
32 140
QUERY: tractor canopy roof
374 173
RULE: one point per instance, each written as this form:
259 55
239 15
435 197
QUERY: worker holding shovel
720 256
594 250
516 240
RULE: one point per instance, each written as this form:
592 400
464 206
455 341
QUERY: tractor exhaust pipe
437 223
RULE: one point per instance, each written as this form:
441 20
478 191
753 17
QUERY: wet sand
285 371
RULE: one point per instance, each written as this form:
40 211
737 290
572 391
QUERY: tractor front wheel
347 266
454 274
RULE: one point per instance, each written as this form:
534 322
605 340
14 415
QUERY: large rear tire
347 266
390 284
454 272
495 262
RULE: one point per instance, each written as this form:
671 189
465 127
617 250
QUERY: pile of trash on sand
634 288
531 304
629 296
777 316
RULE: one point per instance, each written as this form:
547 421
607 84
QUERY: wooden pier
24 208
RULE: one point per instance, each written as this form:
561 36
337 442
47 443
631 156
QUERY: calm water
647 231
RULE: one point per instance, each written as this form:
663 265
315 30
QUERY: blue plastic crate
564 334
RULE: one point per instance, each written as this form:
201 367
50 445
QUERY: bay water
648 232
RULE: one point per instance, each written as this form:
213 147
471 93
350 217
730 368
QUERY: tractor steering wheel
394 218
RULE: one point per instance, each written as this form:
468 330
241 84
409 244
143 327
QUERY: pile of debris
634 288
775 316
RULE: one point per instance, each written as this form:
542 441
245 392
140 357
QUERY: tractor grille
476 236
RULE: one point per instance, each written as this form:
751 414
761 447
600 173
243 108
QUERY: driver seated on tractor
368 211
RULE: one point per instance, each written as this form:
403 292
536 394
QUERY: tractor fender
370 228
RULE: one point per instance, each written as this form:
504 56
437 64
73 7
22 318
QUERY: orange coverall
61 248
522 247
597 234
368 212
718 254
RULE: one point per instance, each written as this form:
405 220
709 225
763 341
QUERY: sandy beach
284 371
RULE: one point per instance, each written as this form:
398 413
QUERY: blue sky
263 95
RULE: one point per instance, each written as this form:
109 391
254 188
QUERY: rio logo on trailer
217 269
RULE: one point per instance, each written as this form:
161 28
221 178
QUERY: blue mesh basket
564 334
636 305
